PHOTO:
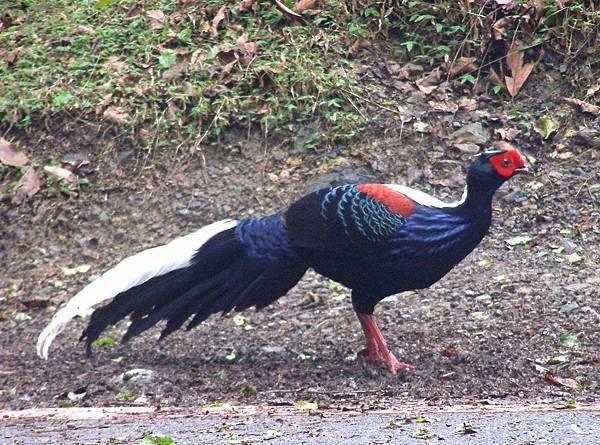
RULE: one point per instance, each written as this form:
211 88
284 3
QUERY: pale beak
524 169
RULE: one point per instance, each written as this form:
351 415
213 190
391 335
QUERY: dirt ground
488 330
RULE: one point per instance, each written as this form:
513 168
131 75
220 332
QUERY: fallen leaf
577 430
545 127
462 65
430 82
29 184
503 145
68 271
561 381
244 5
156 19
585 107
421 433
520 240
10 56
216 20
574 258
114 64
61 173
466 428
508 134
11 157
307 406
303 5
175 71
467 104
447 107
408 70
570 341
519 71
593 90
115 114
272 434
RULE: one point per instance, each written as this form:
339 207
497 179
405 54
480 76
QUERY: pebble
568 308
133 377
484 298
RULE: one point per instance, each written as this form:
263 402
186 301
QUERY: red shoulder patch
393 200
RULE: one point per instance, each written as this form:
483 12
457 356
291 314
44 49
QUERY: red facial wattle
508 163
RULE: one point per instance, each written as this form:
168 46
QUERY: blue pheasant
376 239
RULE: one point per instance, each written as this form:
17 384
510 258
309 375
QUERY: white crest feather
130 272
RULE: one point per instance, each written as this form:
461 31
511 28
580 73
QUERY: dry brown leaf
215 90
407 70
302 5
11 157
593 89
585 107
9 56
561 381
499 28
244 5
446 107
519 71
29 184
468 103
175 71
197 58
114 64
115 114
430 82
157 18
494 77
61 173
216 20
245 49
503 145
508 134
103 103
461 65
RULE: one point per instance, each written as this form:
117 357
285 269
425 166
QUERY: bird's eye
505 162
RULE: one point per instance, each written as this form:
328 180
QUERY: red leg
377 350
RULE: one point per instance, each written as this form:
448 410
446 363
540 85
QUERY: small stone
569 308
484 298
273 349
134 377
479 316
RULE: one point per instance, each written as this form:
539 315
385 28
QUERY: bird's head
495 166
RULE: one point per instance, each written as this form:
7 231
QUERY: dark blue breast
418 254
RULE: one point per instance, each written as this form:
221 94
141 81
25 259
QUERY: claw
377 350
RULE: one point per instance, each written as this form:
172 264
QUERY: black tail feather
221 277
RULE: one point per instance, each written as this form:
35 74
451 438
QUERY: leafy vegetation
167 70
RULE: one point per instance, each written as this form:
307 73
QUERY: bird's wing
347 217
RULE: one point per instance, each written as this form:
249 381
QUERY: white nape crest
130 272
426 199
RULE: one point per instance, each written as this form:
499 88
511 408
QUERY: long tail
202 273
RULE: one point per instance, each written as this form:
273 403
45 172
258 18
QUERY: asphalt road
501 424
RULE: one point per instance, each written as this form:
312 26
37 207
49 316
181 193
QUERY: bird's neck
477 198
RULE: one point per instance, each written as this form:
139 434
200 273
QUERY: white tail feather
130 272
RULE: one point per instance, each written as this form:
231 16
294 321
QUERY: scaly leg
377 350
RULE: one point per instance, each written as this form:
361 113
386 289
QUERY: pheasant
376 239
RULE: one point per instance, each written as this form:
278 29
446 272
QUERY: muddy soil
488 330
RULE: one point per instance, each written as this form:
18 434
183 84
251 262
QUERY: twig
383 107
355 107
197 144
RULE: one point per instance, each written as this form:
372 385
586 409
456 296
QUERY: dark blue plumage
375 239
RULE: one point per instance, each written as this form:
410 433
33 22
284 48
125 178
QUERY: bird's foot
388 360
